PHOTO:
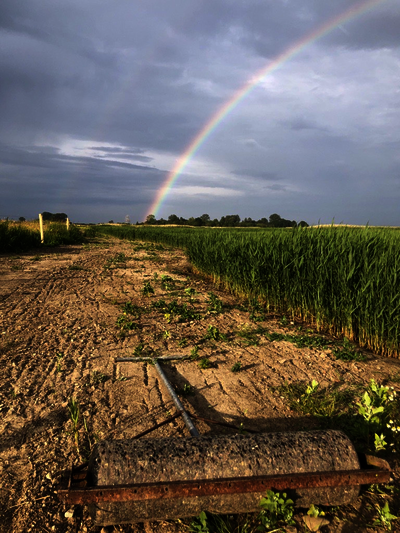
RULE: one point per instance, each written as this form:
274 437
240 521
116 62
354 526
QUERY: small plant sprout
190 292
312 388
236 367
183 342
384 517
313 519
147 289
194 353
59 357
73 407
215 305
213 333
380 443
166 334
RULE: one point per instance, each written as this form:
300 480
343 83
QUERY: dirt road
66 314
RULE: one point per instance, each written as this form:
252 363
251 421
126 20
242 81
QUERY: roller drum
123 462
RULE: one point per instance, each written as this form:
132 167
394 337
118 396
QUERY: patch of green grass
182 343
173 310
117 261
213 333
347 352
301 341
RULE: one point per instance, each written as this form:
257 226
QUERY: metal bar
188 422
139 359
225 424
156 426
206 487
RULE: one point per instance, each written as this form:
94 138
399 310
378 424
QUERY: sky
99 99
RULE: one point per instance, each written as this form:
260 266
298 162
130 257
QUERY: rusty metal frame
208 487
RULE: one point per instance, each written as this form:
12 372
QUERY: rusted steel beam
182 489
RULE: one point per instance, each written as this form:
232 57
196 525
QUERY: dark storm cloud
134 82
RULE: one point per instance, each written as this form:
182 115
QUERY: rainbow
208 128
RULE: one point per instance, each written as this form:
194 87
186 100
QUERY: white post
67 224
41 228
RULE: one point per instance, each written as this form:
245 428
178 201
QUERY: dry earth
59 340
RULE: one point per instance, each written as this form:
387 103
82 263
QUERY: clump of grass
205 363
194 353
237 367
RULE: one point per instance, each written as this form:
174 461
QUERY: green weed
277 510
194 353
348 352
237 367
385 517
73 407
98 377
215 305
147 289
205 363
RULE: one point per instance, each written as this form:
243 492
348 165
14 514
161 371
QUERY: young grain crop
343 280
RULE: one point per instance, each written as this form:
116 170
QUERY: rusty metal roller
125 462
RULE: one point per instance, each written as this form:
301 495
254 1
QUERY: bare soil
59 340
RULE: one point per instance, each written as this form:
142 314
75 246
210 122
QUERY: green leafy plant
167 283
385 517
367 409
199 524
276 511
213 333
125 323
380 443
191 293
147 289
215 305
182 343
237 367
130 309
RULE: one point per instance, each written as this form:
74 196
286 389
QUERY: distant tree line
229 221
54 217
